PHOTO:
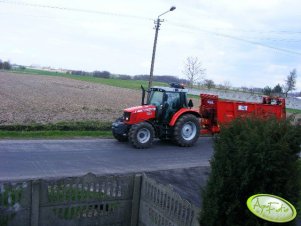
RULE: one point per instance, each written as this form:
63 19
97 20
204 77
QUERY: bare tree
193 70
209 83
244 88
226 85
290 82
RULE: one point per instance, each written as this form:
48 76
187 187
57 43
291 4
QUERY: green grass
130 84
61 126
55 134
38 72
294 111
57 130
62 193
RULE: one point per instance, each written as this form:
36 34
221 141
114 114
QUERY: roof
168 89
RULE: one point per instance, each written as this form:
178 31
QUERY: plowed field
26 99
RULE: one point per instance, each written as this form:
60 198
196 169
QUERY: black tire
141 135
120 138
186 130
117 136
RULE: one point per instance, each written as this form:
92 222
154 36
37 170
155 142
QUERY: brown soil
27 99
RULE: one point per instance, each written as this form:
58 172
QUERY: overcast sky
250 43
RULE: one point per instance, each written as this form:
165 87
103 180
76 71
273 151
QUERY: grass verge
73 129
293 111
53 134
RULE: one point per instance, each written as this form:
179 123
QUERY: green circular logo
271 208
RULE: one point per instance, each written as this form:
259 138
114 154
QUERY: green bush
251 156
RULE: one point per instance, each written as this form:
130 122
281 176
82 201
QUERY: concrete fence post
35 203
136 199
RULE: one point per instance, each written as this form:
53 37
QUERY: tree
251 156
1 64
101 74
226 85
193 70
267 91
124 77
277 90
290 82
244 88
6 65
209 84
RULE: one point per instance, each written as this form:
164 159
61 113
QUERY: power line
138 17
261 31
76 10
273 39
237 38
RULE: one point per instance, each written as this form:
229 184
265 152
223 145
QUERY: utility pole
157 26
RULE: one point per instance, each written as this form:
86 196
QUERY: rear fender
181 112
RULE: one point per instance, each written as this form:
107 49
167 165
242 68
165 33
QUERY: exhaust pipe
143 95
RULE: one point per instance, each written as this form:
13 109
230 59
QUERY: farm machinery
168 115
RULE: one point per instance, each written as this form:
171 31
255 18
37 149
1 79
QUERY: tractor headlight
126 116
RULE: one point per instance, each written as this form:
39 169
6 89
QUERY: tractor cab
167 100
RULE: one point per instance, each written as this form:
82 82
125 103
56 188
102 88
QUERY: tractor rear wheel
186 130
141 135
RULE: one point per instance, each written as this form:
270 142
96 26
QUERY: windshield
156 98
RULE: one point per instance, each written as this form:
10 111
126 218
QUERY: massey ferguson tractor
168 115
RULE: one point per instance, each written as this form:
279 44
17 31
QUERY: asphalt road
28 159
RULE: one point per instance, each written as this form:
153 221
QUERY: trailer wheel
186 130
141 135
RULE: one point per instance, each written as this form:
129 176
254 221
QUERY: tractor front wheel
186 130
118 126
141 135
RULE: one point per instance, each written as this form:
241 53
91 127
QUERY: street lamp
157 26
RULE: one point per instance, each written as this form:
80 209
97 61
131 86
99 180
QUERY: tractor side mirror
190 104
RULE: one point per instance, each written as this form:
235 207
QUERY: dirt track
33 98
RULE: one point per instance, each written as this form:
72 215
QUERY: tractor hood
144 108
138 114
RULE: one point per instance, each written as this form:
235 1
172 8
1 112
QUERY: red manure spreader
168 115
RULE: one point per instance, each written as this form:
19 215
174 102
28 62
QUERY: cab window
156 98
173 99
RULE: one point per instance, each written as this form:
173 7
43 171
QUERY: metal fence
93 200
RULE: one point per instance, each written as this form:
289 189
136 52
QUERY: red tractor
166 115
